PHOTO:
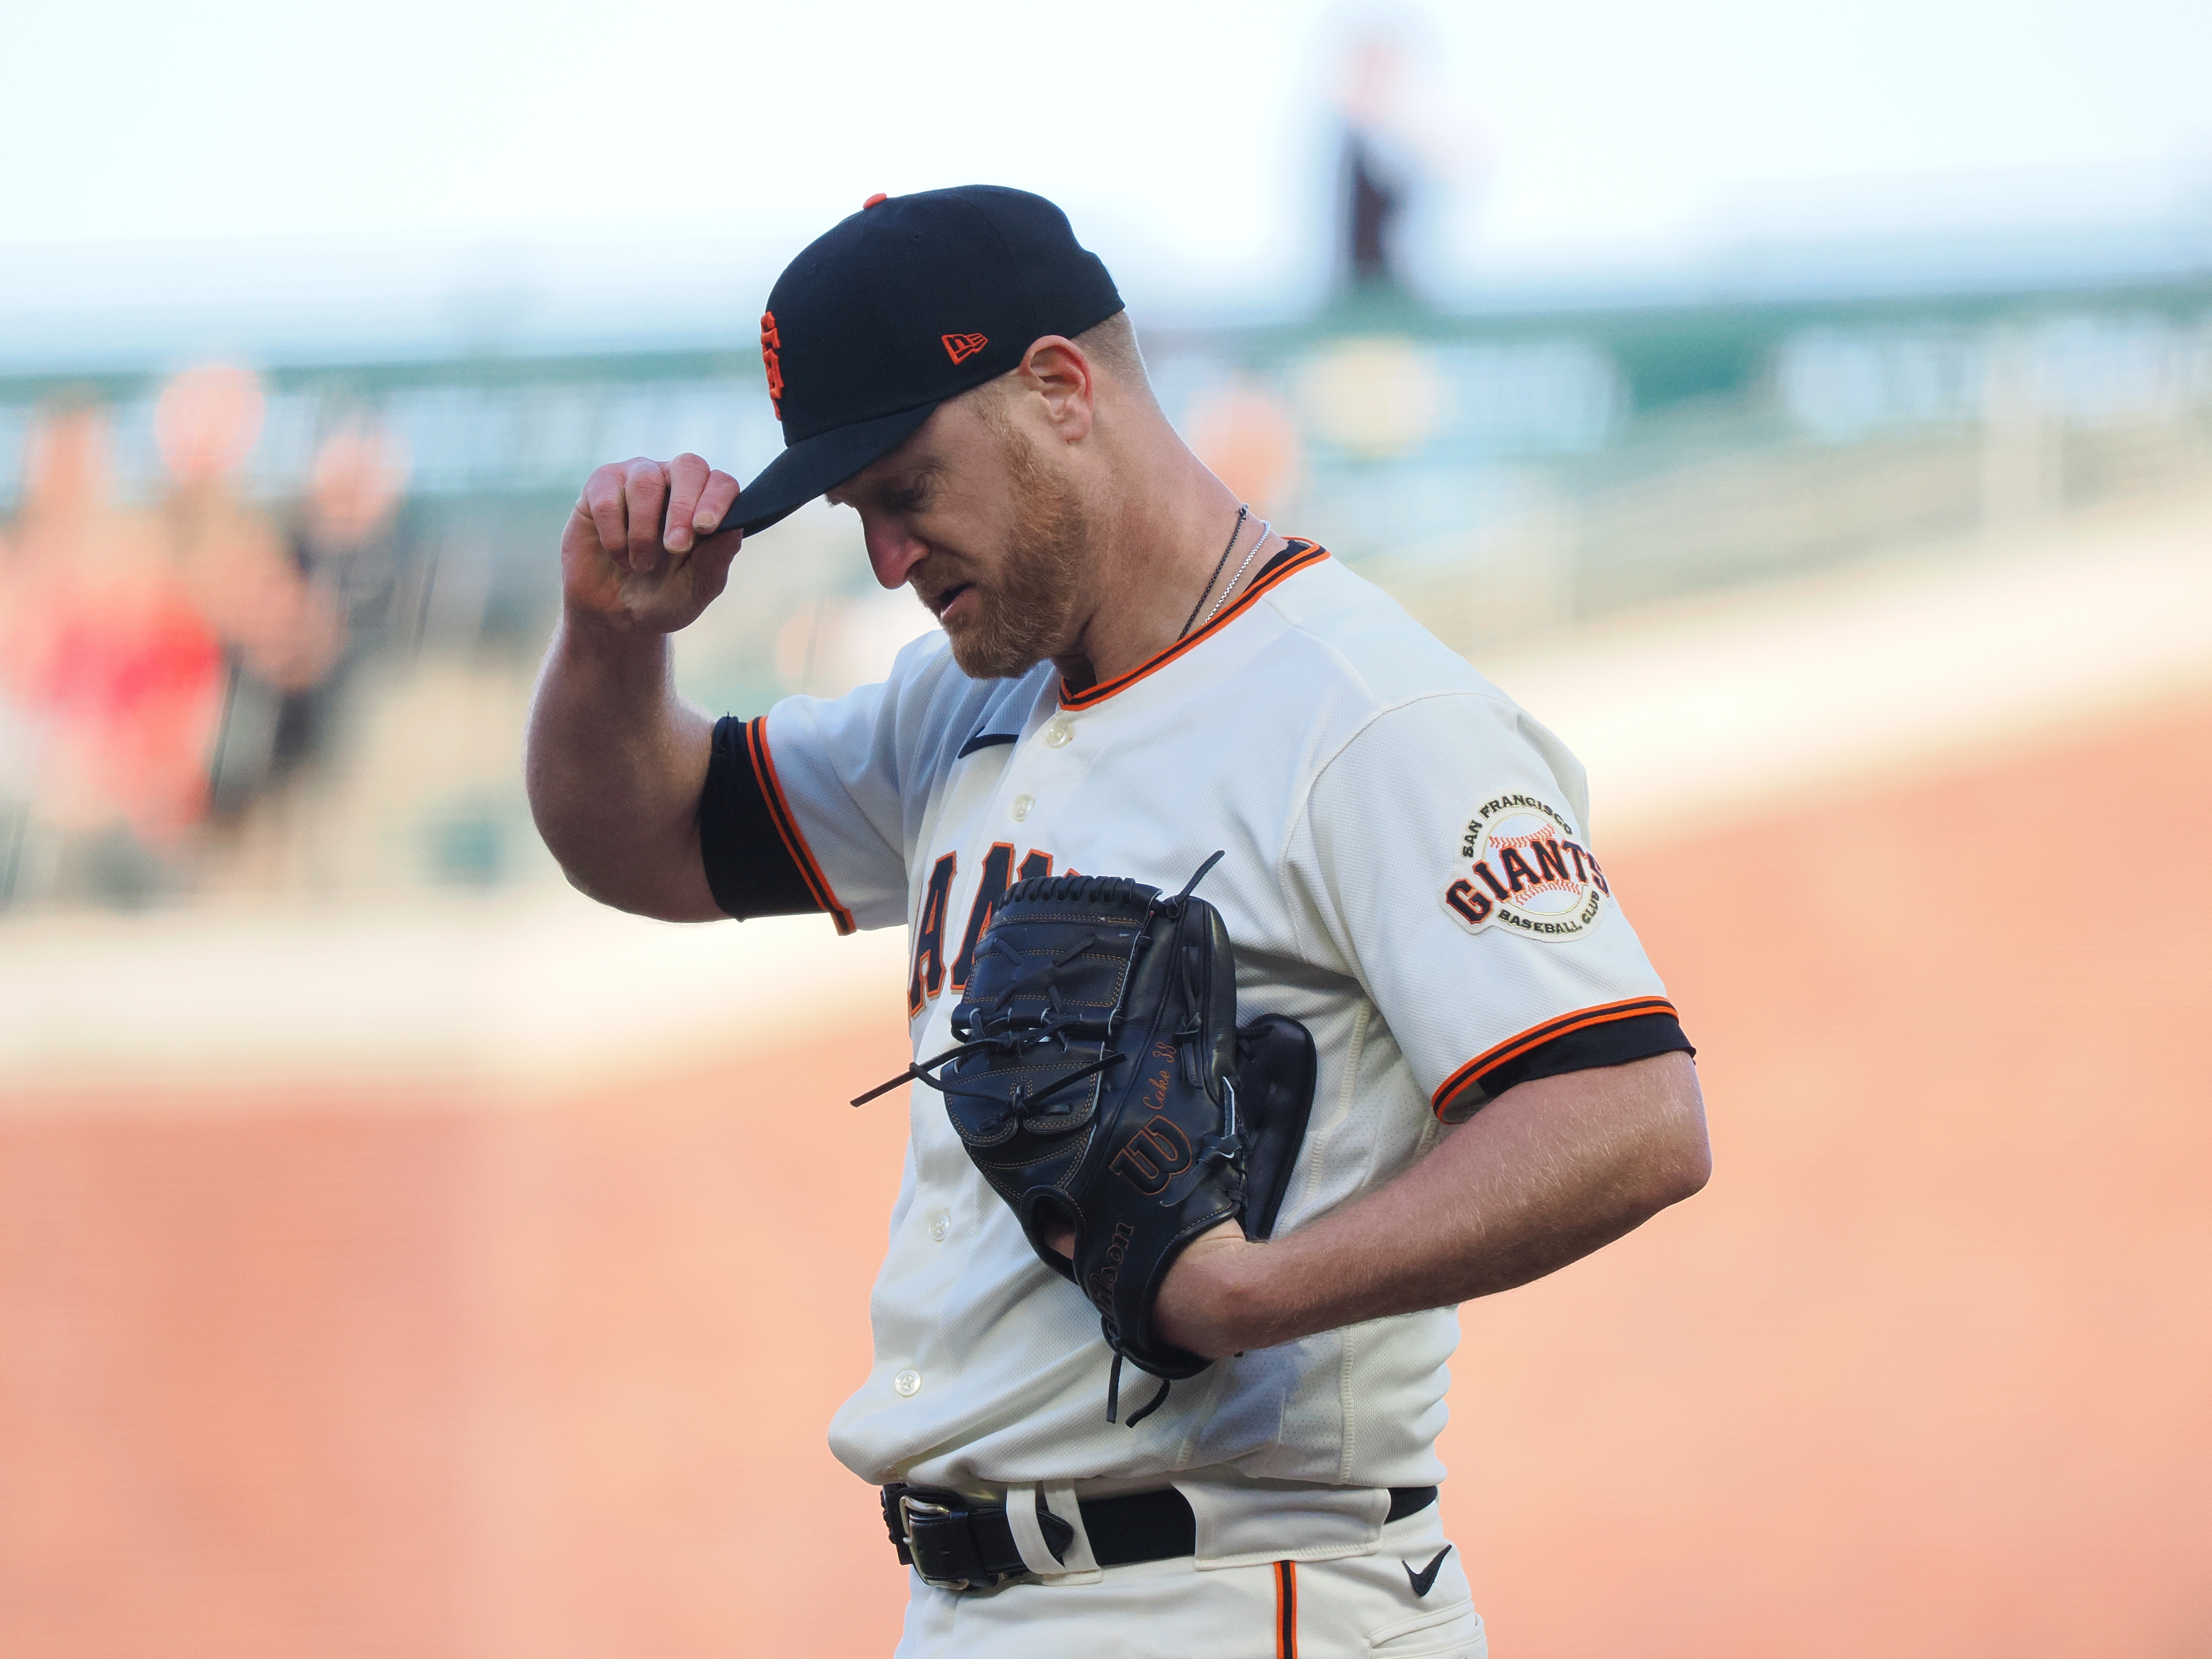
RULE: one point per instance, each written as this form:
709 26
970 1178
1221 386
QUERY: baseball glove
1102 1084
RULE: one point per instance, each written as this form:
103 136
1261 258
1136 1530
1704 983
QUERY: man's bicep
1630 1135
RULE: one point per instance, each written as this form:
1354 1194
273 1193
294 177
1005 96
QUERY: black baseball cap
913 300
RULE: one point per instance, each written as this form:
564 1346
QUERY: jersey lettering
1597 871
1517 872
990 888
929 937
990 893
1515 846
1550 860
930 973
1471 905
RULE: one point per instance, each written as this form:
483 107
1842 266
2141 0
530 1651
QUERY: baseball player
1135 673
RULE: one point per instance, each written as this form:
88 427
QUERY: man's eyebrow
922 474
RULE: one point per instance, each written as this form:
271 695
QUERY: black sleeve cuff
752 868
1581 1047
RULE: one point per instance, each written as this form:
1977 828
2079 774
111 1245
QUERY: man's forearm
615 765
1540 1177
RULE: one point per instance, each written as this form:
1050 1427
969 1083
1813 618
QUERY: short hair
1110 345
1114 343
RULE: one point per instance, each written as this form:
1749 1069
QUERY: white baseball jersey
1408 872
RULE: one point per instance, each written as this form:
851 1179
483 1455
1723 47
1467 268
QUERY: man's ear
1054 371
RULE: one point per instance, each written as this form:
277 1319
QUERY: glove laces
993 1032
1113 1393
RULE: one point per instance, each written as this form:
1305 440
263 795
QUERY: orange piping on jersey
1313 554
794 838
1536 1035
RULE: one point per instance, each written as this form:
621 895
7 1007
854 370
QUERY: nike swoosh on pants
1425 1579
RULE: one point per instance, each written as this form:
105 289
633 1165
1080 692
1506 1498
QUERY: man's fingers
645 492
603 501
715 501
710 563
643 510
687 477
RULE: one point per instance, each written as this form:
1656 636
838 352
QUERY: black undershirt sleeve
1614 1043
751 867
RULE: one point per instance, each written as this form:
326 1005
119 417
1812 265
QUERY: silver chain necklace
1228 547
1235 529
1259 542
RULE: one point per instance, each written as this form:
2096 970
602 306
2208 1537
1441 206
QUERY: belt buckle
909 1506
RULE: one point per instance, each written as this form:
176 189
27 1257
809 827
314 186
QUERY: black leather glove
1102 1083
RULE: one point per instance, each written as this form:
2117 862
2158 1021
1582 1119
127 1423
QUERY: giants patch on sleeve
1522 868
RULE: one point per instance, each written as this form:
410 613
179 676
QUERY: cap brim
823 462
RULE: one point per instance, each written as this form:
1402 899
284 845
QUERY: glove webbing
1051 1027
1009 1042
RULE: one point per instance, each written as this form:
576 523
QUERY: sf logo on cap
961 347
771 344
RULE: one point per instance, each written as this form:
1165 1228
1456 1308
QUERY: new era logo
961 347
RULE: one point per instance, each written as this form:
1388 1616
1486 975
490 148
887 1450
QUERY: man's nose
893 550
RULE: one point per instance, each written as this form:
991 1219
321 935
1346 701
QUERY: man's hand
1545 1174
622 568
615 759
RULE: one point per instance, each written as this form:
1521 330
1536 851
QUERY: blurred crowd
168 667
278 639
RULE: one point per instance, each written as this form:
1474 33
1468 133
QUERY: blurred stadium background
400 1256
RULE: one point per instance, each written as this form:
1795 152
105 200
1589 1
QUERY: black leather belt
955 1544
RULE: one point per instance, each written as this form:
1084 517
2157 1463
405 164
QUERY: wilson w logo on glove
1149 1156
1102 1084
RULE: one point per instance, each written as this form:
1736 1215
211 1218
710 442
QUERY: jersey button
1059 734
1022 804
909 1383
939 1226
